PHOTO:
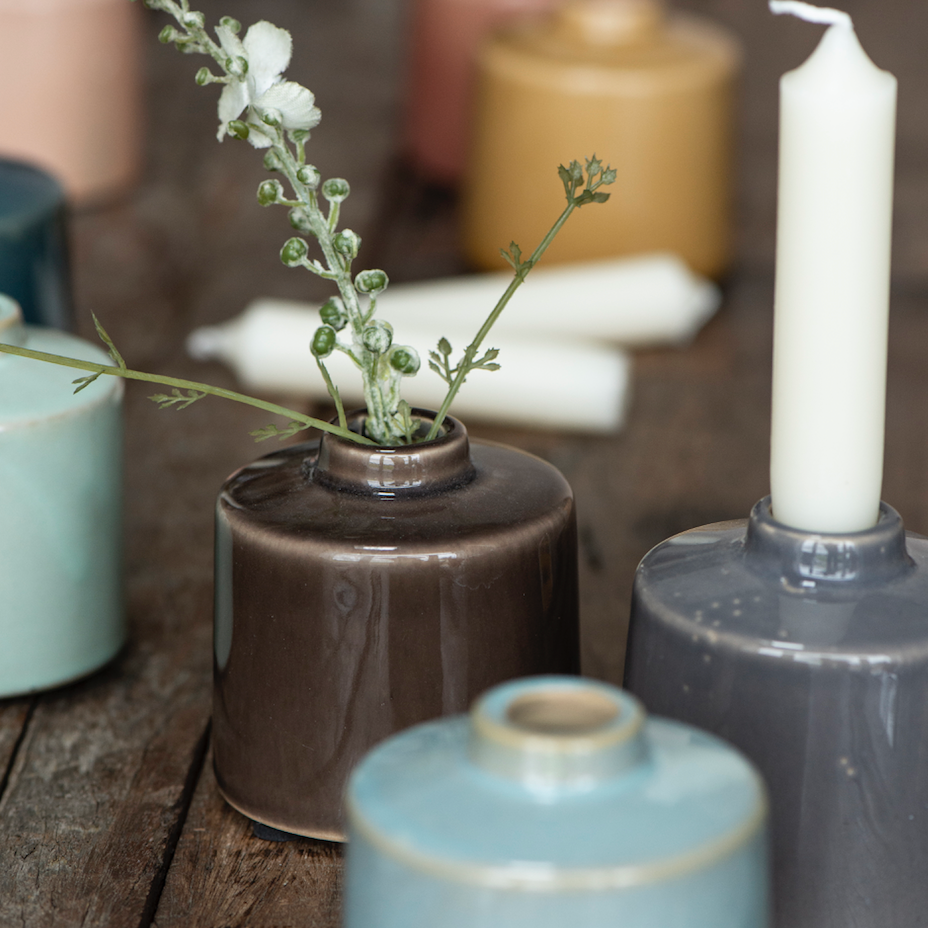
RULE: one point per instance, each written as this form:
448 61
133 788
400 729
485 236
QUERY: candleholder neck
801 560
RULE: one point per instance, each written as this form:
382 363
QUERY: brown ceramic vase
360 590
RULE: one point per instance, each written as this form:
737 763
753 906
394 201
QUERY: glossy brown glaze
360 591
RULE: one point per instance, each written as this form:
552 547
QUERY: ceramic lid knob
611 22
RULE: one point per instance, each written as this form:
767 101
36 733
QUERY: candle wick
810 13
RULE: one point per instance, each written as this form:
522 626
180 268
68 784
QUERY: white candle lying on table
837 125
541 383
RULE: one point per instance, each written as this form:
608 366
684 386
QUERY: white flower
267 50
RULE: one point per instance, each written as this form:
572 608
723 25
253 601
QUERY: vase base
267 826
266 833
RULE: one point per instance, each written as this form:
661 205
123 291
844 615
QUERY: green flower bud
294 252
270 192
371 282
335 189
347 243
237 67
272 161
377 337
298 135
233 25
299 219
308 175
239 129
272 117
332 312
193 20
204 77
404 359
167 35
323 343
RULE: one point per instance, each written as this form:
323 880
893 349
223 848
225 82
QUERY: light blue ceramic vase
556 803
61 605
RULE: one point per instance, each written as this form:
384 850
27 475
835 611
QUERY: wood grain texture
98 790
14 717
222 875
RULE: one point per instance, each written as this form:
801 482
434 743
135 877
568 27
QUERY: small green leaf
84 381
272 431
111 348
178 399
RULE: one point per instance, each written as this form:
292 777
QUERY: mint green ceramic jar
61 609
556 803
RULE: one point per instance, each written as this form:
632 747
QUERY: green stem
471 350
333 392
308 421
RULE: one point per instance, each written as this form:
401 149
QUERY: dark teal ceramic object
556 803
33 245
809 652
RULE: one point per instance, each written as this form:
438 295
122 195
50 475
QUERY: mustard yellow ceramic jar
647 91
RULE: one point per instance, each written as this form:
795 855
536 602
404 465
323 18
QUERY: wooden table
109 813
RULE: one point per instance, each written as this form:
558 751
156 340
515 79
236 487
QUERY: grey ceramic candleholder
809 652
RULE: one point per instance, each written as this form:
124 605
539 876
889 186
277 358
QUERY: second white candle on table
837 125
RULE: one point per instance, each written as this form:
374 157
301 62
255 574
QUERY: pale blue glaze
662 827
61 604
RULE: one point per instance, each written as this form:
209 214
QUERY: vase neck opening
413 469
557 733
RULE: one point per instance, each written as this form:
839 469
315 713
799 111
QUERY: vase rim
391 470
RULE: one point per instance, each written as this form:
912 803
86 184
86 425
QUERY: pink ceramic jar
446 35
69 91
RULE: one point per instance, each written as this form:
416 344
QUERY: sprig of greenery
579 191
257 105
195 391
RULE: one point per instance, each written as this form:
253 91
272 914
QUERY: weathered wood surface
109 813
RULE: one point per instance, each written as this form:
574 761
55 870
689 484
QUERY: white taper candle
837 126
